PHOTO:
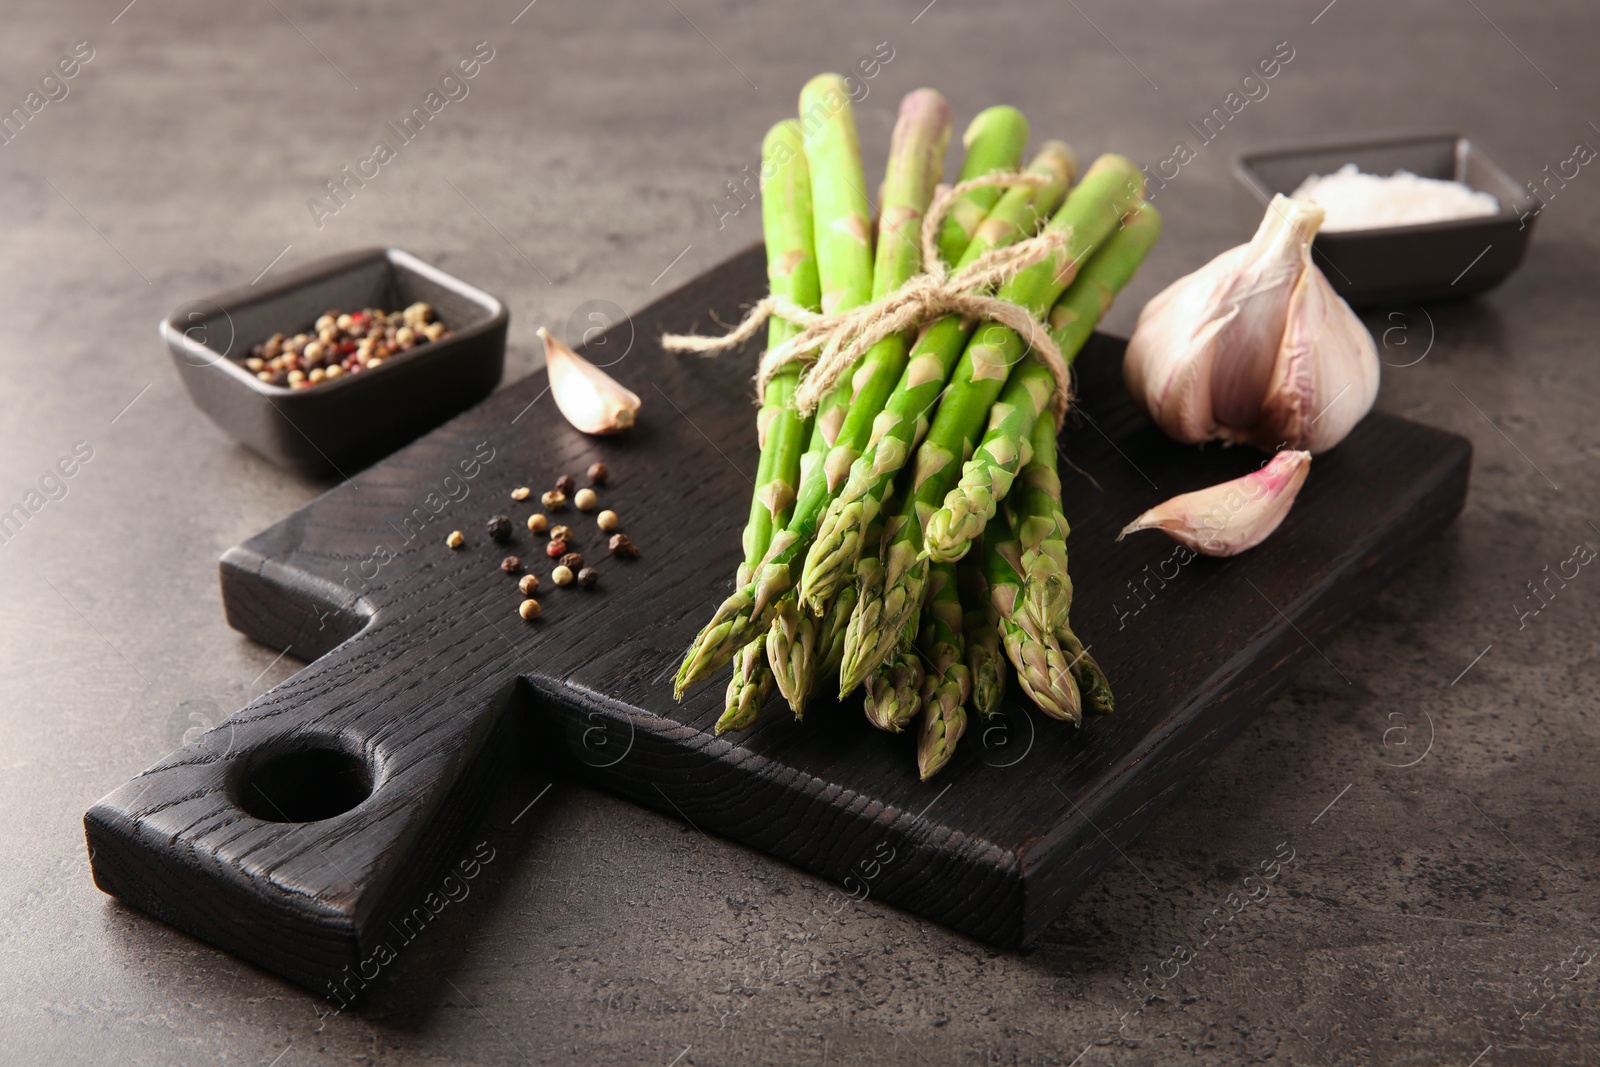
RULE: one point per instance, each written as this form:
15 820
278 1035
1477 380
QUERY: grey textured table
1441 912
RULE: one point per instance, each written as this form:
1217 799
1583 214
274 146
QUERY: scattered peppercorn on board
294 832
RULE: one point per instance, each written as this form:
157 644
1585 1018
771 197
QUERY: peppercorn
598 474
500 527
529 584
537 522
521 492
587 577
554 500
622 547
566 485
561 576
556 548
586 500
607 520
572 560
511 564
529 609
560 533
341 343
456 539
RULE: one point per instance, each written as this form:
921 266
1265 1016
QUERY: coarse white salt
1355 200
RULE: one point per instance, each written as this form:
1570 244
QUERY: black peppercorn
500 527
597 474
511 564
587 577
623 547
572 560
566 485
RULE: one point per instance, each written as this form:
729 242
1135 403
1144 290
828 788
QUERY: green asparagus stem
1091 214
1042 533
842 246
1043 669
1023 209
1046 586
879 705
987 477
994 141
781 431
948 680
915 160
916 155
837 617
1041 525
842 225
980 624
802 646
904 419
1089 297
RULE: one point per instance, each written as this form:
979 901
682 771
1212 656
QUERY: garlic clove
1226 519
1169 361
588 397
1326 376
1274 262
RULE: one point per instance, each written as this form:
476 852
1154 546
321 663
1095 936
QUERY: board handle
297 830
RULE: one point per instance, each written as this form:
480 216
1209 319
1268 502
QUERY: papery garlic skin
1255 346
1236 515
589 398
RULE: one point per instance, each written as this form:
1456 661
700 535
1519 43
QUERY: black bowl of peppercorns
341 361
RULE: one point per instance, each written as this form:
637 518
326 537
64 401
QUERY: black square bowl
1428 261
340 425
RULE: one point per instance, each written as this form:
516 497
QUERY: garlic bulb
1255 346
588 397
1226 519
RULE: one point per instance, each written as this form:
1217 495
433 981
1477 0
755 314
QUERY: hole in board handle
306 785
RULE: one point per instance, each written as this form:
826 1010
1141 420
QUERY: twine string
830 343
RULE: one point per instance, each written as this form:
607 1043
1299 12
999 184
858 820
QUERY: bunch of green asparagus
859 556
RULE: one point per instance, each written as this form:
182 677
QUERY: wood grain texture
425 676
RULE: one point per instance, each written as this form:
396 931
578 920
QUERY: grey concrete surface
1438 913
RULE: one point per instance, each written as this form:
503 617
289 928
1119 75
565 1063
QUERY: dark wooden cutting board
425 687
